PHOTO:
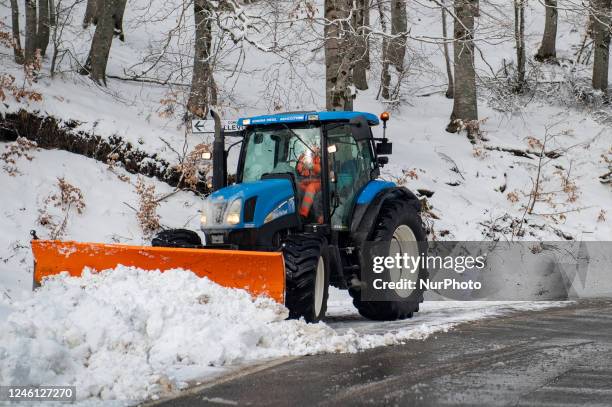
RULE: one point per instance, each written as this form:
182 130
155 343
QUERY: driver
308 168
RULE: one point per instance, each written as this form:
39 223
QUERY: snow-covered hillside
109 213
478 193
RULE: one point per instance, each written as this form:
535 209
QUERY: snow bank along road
103 334
553 357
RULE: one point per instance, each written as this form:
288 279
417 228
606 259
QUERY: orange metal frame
260 273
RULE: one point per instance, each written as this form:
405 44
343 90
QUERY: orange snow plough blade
260 273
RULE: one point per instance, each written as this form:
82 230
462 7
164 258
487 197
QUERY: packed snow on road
129 334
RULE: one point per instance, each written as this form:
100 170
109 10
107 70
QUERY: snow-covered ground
105 335
109 212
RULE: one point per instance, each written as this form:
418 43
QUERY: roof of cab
297 117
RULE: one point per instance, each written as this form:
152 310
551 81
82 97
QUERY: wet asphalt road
555 357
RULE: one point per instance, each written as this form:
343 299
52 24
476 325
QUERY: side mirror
360 128
384 148
382 160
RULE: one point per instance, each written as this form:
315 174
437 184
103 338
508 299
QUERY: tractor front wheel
177 238
307 276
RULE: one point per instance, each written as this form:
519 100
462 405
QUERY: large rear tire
177 238
398 228
307 274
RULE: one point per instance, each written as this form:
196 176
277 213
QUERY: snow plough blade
260 273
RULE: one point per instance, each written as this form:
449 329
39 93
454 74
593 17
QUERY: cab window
351 165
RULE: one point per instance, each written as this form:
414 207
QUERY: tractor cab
308 168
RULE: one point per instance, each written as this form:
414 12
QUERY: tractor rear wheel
177 238
398 229
307 276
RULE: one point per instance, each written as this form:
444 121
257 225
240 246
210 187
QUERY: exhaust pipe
219 179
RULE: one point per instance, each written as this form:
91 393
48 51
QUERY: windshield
277 149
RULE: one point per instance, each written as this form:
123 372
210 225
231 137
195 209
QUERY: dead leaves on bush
22 147
68 199
194 167
148 219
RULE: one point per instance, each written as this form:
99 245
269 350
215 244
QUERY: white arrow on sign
208 126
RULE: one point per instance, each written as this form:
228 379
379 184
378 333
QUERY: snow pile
120 334
129 334
109 334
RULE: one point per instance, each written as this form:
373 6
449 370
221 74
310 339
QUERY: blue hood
270 194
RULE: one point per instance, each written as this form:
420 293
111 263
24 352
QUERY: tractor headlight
203 220
283 209
233 213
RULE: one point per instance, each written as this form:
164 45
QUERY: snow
129 334
134 112
108 216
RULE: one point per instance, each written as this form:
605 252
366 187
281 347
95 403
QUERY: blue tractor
307 184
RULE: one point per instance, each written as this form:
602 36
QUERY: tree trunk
31 31
519 36
465 104
361 22
385 76
601 45
591 23
449 68
92 12
43 27
396 51
548 48
203 89
118 18
18 52
102 40
339 54
52 16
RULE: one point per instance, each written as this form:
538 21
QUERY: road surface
555 357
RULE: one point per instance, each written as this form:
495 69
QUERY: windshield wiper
293 133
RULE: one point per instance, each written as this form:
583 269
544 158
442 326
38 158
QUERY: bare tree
102 40
465 104
394 46
18 52
60 17
399 29
361 22
548 47
52 13
385 76
338 56
519 36
118 18
31 31
601 45
203 92
44 23
449 70
92 12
